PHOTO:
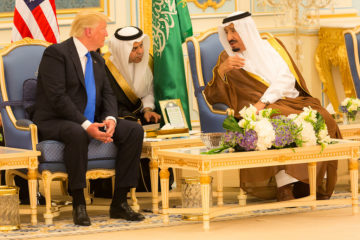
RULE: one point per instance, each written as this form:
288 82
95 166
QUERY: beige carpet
324 223
334 224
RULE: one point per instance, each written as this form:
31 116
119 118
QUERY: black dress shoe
40 199
125 211
80 216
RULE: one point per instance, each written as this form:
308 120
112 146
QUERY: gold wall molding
207 4
100 8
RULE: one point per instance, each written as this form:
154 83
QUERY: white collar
80 47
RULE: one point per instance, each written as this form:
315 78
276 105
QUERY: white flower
251 125
323 133
265 133
292 116
345 102
308 114
265 113
308 134
248 113
242 123
352 107
350 104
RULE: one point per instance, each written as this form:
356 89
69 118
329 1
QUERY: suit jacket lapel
76 60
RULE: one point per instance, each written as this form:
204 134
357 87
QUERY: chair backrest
203 53
19 61
352 40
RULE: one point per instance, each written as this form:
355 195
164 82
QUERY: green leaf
216 150
231 124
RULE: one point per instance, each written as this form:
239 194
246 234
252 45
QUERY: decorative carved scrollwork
204 4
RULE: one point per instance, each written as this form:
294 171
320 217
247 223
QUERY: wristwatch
264 101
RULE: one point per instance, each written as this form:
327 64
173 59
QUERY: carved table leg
154 171
312 183
164 181
220 187
48 215
32 194
353 167
242 194
205 182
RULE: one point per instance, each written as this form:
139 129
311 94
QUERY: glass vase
350 118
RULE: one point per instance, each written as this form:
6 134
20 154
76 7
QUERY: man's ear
87 32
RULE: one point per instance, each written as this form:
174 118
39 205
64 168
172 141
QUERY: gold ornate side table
350 131
331 51
150 150
15 158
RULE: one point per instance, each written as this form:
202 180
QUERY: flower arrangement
350 106
268 130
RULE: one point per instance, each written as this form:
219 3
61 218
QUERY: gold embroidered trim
120 79
257 78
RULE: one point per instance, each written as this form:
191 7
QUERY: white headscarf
134 73
261 59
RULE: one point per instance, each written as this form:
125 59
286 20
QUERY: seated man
75 103
251 71
130 74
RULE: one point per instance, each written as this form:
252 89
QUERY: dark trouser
128 138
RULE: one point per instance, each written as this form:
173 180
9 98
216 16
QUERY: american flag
35 19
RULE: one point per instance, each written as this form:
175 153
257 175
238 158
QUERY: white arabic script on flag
35 19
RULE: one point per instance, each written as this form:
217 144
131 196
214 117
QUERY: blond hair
86 19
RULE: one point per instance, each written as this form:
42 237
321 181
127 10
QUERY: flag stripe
15 35
21 26
43 24
29 19
49 11
40 23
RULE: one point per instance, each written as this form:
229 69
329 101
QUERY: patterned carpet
102 223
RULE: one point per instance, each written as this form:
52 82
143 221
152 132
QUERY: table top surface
6 152
192 157
170 141
199 151
349 126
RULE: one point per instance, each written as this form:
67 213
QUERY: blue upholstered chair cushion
101 156
53 151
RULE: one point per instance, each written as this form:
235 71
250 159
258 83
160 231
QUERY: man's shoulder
60 47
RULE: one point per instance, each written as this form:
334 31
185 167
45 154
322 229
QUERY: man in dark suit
75 103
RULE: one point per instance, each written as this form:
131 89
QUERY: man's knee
134 130
138 131
74 133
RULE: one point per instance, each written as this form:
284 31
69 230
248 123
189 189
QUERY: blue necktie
90 89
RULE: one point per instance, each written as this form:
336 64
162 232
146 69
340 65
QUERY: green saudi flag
171 26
